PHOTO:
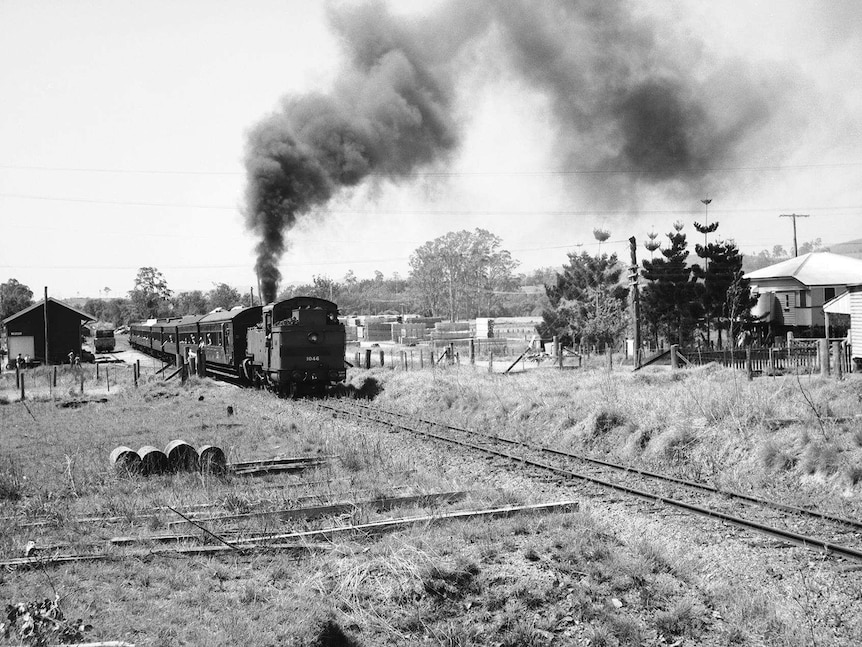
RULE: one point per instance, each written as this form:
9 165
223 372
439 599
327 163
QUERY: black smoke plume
632 106
635 105
389 114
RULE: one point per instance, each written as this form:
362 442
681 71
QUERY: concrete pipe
125 459
153 460
182 457
212 460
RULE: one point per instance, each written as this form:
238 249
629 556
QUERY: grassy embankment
533 580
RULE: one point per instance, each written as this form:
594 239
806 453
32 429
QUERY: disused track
805 527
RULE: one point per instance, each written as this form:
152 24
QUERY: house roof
84 315
814 268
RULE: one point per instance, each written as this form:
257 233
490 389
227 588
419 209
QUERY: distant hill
850 248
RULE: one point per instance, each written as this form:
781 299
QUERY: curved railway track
802 526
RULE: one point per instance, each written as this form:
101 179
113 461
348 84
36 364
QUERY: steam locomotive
292 347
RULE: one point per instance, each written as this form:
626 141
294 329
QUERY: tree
576 297
190 303
461 273
671 300
598 319
150 295
14 297
222 296
723 269
738 303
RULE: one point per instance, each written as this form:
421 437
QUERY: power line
430 173
445 212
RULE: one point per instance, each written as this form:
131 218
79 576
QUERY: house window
802 300
828 293
787 302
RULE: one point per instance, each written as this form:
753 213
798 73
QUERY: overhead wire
453 212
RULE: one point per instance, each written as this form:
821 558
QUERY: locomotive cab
299 345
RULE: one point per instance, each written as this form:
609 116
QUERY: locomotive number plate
312 358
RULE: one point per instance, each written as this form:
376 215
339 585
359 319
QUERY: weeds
41 623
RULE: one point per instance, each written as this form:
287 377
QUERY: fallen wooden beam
302 537
287 514
280 461
654 359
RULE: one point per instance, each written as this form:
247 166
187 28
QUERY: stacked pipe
178 456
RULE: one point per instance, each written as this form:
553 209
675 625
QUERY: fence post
21 386
674 360
81 369
97 371
491 362
559 357
135 374
556 344
472 351
421 359
55 377
381 358
368 359
772 361
610 354
837 352
17 376
108 378
748 370
824 357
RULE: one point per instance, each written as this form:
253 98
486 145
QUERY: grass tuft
776 456
332 635
686 618
11 485
821 459
451 582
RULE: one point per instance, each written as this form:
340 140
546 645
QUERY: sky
125 131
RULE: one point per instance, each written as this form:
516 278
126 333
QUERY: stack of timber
408 332
446 330
516 327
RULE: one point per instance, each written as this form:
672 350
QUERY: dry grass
533 580
708 422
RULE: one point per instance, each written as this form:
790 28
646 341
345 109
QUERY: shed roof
838 305
39 304
814 268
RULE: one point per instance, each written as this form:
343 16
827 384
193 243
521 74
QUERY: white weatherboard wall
856 320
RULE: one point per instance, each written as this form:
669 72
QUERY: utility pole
794 216
636 302
46 326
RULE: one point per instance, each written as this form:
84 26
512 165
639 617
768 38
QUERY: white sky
122 129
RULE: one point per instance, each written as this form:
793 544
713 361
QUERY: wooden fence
797 358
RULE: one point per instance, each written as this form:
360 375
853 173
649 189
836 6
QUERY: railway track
801 526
